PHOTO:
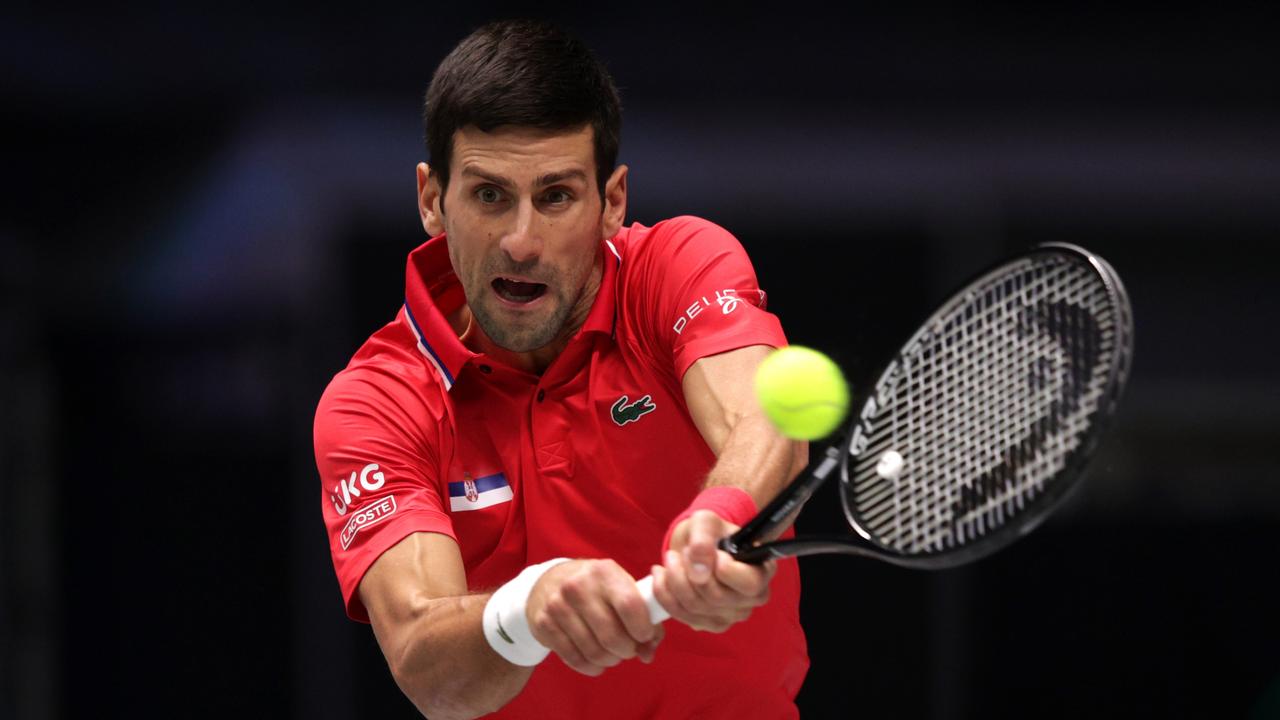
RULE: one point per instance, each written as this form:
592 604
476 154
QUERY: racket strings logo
375 513
727 300
624 411
1076 370
348 490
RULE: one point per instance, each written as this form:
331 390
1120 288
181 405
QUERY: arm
699 584
751 453
429 628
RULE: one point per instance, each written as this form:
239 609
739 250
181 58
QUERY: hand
591 615
701 585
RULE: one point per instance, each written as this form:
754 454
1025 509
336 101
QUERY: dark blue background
207 210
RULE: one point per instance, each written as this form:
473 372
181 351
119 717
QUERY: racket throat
781 510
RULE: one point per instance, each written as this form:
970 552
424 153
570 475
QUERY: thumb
705 530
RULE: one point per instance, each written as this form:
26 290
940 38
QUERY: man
559 386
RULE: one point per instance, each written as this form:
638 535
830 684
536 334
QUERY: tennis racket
978 428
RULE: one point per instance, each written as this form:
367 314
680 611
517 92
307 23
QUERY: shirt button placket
553 452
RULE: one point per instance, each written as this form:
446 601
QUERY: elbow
439 692
436 700
414 668
415 680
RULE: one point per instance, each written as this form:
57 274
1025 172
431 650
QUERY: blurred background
206 211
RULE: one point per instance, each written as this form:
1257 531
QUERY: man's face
524 222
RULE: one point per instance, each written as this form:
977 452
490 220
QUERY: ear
430 201
615 202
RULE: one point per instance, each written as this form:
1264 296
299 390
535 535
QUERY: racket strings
988 403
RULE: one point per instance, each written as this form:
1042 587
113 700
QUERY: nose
523 243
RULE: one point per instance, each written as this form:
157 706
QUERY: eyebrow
547 179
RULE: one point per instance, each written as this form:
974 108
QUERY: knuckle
603 569
601 658
712 594
700 522
543 625
616 643
632 605
573 589
712 625
696 604
557 608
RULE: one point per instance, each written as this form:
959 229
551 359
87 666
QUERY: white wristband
506 626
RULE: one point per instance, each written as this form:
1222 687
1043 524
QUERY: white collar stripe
426 350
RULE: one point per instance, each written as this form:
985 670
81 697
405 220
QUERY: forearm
442 662
751 453
756 458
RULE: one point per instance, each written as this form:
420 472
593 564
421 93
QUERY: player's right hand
590 614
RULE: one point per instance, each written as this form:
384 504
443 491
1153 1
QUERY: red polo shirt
592 459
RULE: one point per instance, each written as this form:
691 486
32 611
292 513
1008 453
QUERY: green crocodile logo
625 411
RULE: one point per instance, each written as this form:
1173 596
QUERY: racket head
995 406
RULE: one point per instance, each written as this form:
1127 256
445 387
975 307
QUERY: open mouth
518 292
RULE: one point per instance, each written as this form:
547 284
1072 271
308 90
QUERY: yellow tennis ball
803 392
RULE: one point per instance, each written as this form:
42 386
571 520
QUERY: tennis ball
802 391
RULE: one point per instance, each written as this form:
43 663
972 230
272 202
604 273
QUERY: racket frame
745 544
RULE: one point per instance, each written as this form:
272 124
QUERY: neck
536 361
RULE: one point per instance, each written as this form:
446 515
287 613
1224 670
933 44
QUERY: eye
488 194
557 196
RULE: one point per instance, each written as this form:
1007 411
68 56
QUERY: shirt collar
603 314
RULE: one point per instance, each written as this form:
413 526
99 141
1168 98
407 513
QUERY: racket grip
657 613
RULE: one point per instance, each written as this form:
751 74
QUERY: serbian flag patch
478 493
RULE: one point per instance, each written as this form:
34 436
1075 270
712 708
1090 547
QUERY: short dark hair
523 73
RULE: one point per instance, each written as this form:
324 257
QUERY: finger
563 646
645 651
690 606
593 596
747 581
705 530
677 582
569 619
669 586
629 607
666 598
712 594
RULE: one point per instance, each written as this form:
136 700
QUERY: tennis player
563 404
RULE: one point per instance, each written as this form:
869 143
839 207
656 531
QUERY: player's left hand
701 585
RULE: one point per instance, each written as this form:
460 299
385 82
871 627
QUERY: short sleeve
696 294
378 472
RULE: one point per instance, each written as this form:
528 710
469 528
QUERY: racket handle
657 613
